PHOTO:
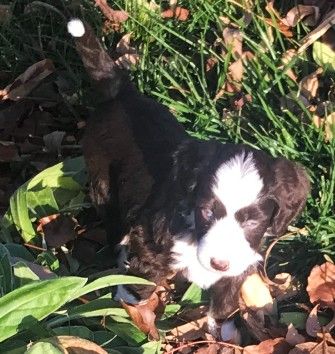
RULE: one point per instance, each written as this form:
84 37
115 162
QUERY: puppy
186 205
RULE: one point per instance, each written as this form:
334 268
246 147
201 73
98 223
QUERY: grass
173 57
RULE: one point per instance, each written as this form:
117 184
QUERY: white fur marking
238 182
76 27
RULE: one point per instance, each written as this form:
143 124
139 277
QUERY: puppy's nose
217 264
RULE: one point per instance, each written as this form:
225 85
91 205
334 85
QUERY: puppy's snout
217 264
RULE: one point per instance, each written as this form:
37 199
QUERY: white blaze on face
237 185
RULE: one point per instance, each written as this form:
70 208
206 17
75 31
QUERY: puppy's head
235 195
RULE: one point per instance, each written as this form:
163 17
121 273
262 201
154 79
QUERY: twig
35 247
191 344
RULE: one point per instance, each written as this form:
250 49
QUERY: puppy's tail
99 65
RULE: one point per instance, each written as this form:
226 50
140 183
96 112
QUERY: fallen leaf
143 315
116 17
124 47
210 63
293 337
321 283
76 345
309 84
27 81
127 61
312 348
280 26
299 12
270 346
190 331
179 13
210 349
256 294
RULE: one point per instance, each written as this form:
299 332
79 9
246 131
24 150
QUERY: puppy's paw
225 331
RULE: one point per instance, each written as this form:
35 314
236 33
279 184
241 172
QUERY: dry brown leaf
190 331
255 323
233 41
270 346
313 326
127 61
76 345
282 28
27 81
312 348
256 294
143 314
210 63
321 283
299 12
309 85
210 349
115 16
179 13
293 337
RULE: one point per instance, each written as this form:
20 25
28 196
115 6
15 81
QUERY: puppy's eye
207 213
250 223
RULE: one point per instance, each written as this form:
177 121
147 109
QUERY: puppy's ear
191 159
290 192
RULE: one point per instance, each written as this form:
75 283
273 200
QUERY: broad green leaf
20 215
78 331
13 347
147 348
6 273
55 189
193 295
111 280
35 301
324 55
23 274
43 348
127 331
17 250
98 307
49 260
107 339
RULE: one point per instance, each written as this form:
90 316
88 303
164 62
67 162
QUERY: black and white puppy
198 207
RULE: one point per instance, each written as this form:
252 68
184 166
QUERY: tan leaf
309 84
313 348
321 283
127 61
282 28
256 294
76 345
299 12
27 81
143 315
115 16
210 63
270 346
191 330
293 337
124 47
233 41
179 13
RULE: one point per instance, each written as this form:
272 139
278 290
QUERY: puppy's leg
147 260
